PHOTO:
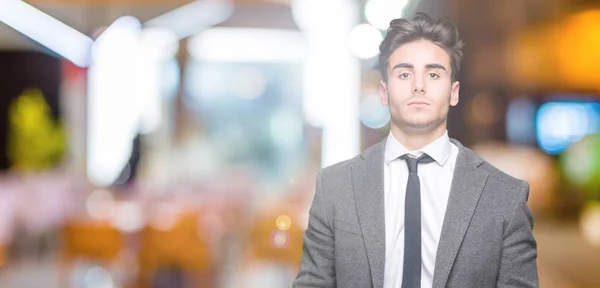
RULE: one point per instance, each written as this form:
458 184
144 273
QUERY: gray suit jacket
486 238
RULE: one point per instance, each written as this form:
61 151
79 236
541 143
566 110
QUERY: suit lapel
467 184
367 177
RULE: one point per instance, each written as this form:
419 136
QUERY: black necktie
411 277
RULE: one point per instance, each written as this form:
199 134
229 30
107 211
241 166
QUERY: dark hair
442 32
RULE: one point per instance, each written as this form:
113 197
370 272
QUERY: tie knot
413 162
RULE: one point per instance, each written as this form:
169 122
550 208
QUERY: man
418 209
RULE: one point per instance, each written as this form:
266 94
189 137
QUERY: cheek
398 90
397 85
440 94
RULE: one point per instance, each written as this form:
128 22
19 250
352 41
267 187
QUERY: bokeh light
364 40
372 113
283 222
164 216
280 239
561 123
100 204
128 217
590 223
381 12
97 277
581 164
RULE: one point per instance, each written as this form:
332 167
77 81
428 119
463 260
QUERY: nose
419 85
418 89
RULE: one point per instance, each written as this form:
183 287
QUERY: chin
421 124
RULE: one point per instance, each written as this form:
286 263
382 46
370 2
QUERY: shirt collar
439 149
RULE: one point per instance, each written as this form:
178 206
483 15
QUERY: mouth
418 103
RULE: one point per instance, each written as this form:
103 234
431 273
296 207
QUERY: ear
383 95
454 93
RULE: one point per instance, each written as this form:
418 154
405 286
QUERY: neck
415 140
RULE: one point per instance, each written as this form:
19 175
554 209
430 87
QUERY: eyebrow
411 66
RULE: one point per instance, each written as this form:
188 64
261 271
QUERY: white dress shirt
435 179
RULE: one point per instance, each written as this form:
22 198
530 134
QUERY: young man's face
419 89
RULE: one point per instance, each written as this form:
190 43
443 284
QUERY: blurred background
155 143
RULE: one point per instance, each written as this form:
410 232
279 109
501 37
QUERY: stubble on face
419 122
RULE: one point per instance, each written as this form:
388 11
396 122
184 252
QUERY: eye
404 75
433 75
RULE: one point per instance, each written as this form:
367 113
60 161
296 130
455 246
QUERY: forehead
420 53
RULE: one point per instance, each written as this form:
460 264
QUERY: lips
417 103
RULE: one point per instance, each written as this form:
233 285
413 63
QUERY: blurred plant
35 140
581 165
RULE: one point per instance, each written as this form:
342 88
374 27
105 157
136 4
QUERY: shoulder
338 171
343 168
504 186
500 176
497 176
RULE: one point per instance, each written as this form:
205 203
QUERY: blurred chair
273 250
175 252
2 255
269 243
95 241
